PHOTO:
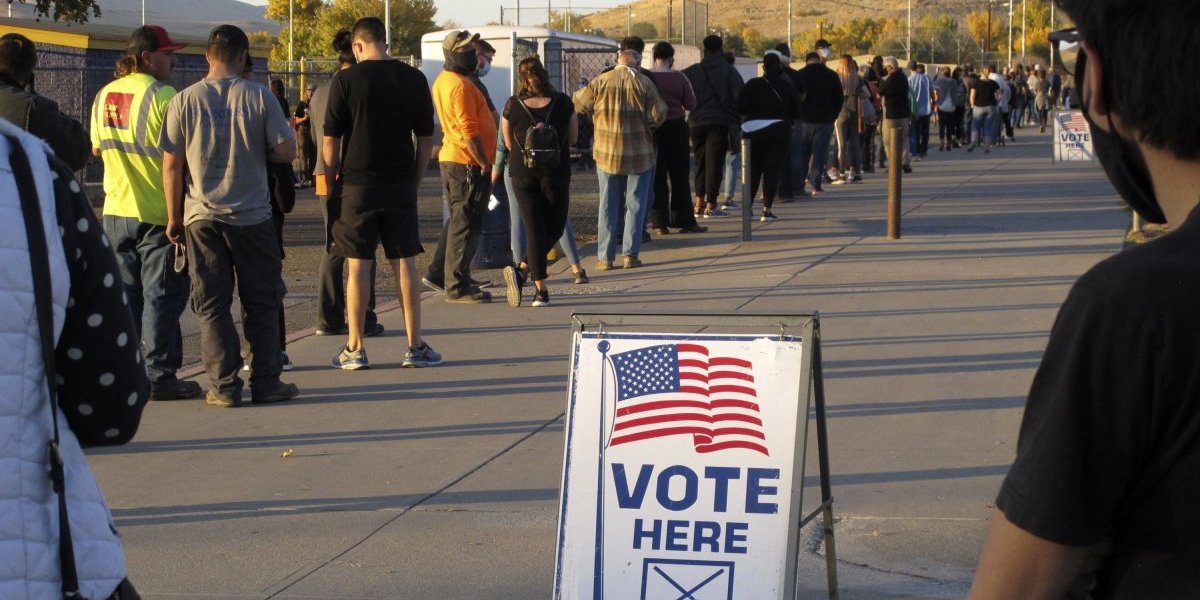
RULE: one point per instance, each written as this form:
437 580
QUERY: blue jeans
157 294
981 124
733 175
635 191
814 148
516 229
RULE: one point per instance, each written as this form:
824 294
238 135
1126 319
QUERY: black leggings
945 126
545 203
768 149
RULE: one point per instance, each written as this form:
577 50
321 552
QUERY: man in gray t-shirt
217 137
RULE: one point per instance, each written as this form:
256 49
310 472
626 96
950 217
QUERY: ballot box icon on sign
670 579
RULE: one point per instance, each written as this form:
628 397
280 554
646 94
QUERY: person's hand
175 231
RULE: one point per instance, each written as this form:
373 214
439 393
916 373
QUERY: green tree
317 22
644 30
72 11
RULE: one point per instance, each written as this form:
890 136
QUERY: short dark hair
811 56
369 29
226 44
784 48
663 50
713 43
18 57
1123 33
633 42
484 47
341 45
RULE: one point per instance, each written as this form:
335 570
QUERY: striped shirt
626 109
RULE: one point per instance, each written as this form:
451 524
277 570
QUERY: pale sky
474 12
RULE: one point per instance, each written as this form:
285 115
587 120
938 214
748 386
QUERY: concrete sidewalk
442 483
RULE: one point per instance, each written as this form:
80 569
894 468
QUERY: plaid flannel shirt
626 109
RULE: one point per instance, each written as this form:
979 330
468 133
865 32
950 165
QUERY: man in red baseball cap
127 117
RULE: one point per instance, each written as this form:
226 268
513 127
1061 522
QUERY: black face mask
463 63
1122 160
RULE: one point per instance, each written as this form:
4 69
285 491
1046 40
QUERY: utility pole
387 24
1010 32
1052 29
518 13
291 29
1023 59
789 27
908 50
987 43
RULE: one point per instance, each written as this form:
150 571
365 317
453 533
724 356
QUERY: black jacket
769 98
40 116
823 94
717 86
895 96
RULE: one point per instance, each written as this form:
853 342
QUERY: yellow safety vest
127 118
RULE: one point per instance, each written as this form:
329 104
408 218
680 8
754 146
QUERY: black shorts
377 214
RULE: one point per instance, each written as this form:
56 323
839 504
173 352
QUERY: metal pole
987 45
789 27
747 199
823 465
518 13
908 50
143 10
549 13
1010 32
1023 59
629 20
895 164
387 23
291 30
1052 46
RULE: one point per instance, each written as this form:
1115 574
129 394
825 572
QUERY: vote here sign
683 467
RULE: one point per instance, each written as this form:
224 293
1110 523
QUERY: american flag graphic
1073 121
678 389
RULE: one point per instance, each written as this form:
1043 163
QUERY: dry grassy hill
770 16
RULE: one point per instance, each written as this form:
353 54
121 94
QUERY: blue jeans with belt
635 191
157 294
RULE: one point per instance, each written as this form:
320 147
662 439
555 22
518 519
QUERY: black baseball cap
229 35
151 38
823 43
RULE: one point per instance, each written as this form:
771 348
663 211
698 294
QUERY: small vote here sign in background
683 467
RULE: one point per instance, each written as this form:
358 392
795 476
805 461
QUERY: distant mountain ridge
183 17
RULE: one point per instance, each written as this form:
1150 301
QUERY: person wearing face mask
1099 502
468 151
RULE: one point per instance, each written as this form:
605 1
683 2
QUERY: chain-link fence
694 22
73 76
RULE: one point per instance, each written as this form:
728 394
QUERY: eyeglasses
1066 42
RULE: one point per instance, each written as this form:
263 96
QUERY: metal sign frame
812 396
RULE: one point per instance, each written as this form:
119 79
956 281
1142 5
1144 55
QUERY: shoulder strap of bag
39 264
532 119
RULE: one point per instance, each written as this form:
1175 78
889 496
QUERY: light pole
143 11
789 27
987 38
908 50
1023 59
1010 33
387 25
291 29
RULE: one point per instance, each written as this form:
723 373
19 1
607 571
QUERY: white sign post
1072 136
684 467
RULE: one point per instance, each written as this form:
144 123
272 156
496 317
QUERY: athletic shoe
729 204
435 286
971 148
216 398
714 213
339 331
285 362
631 262
661 231
175 389
276 392
907 169
374 331
473 296
816 191
603 265
581 277
838 181
512 281
693 229
542 298
351 361
425 356
767 216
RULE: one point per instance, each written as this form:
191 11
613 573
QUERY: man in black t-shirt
379 105
1101 500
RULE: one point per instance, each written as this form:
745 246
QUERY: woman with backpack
771 97
539 126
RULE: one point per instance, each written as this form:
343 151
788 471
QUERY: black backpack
541 149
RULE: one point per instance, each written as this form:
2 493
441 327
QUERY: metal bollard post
747 199
895 164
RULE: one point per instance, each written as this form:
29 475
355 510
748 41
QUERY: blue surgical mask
485 69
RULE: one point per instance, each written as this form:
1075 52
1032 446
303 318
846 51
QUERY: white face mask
826 53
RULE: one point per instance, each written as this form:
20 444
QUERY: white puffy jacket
29 563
